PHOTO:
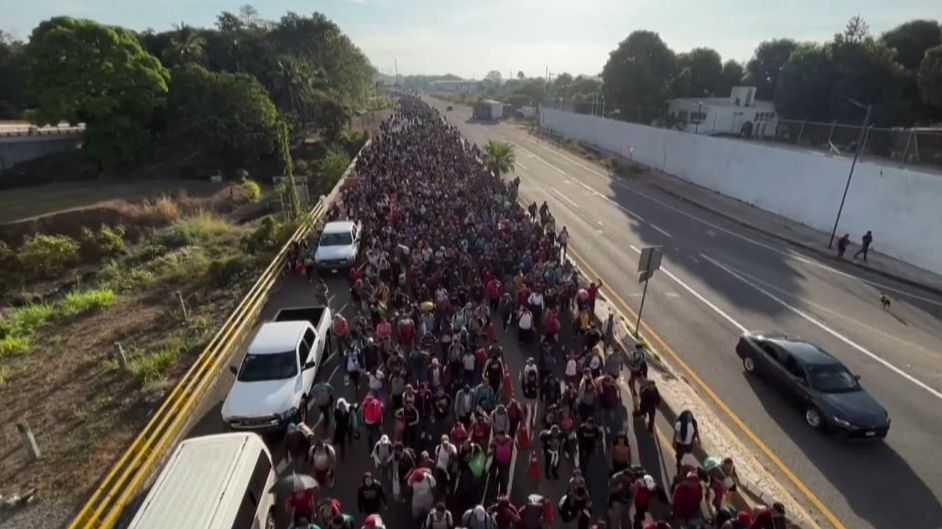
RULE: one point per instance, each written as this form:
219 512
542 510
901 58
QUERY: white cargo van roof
203 483
277 337
339 226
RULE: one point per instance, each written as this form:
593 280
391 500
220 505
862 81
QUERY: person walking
439 518
649 400
842 245
383 459
865 243
371 498
686 433
477 517
372 415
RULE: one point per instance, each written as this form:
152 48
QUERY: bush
329 172
163 211
228 270
47 255
265 237
86 300
120 278
254 190
193 230
106 242
13 345
151 366
11 275
26 320
184 265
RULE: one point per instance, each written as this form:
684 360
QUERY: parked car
828 394
274 381
223 480
338 246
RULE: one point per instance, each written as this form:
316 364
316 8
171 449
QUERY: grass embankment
58 369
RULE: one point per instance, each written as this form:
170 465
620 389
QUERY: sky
471 37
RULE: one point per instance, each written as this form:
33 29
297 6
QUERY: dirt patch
30 202
135 216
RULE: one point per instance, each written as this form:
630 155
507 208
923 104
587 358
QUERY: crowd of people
451 264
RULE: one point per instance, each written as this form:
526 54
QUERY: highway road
720 279
650 451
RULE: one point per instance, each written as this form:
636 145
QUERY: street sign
650 258
649 262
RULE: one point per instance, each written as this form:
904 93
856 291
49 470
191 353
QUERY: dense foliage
898 73
237 81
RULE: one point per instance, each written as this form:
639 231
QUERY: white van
214 482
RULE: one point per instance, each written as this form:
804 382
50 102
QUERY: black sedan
828 394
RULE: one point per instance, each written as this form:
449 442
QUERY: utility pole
861 140
396 66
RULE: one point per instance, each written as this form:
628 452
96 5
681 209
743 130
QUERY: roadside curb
792 241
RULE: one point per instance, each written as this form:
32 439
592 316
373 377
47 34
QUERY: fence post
909 139
186 317
120 356
801 131
29 440
831 132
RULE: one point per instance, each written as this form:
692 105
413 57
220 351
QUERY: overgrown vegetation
20 325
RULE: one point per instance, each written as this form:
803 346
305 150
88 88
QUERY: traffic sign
650 259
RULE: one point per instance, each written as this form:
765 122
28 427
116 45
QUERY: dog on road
885 302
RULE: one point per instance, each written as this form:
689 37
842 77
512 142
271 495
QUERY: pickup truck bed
310 314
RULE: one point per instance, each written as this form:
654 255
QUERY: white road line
694 293
826 329
666 234
520 165
787 253
564 197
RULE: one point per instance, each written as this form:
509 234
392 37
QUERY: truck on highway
273 382
488 110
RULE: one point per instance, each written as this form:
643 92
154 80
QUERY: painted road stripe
520 165
694 293
564 197
790 254
720 403
826 329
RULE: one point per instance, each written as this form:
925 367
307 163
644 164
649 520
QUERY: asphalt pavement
720 279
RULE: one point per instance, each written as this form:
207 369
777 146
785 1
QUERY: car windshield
831 378
336 239
256 368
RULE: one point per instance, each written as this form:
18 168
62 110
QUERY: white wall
902 206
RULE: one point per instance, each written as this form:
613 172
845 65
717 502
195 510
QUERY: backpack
372 411
503 452
572 367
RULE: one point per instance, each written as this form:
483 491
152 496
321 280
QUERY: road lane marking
520 165
564 197
791 254
720 403
825 328
665 233
694 293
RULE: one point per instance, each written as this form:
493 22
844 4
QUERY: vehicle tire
814 418
749 364
270 520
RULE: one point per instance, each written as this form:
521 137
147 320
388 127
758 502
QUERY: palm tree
186 46
498 157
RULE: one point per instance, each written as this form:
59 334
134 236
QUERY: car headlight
290 413
842 423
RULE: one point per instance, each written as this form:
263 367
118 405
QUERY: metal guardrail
123 481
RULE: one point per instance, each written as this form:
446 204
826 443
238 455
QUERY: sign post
649 262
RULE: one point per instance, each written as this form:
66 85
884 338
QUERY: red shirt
552 324
406 331
687 497
383 330
493 289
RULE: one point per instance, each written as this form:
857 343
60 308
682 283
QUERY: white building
455 87
739 114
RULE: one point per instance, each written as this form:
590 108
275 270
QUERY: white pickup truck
273 383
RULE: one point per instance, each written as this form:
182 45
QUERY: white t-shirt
526 321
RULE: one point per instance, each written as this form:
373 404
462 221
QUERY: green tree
804 84
866 71
638 71
706 71
226 116
81 71
930 77
911 41
562 86
766 65
498 157
733 73
186 46
13 95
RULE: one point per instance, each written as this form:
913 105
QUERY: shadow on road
878 484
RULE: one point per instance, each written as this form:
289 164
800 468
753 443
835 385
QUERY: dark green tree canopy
81 71
765 66
706 72
803 80
224 115
638 71
911 41
930 77
732 75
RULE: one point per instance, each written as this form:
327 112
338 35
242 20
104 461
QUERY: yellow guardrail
124 480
